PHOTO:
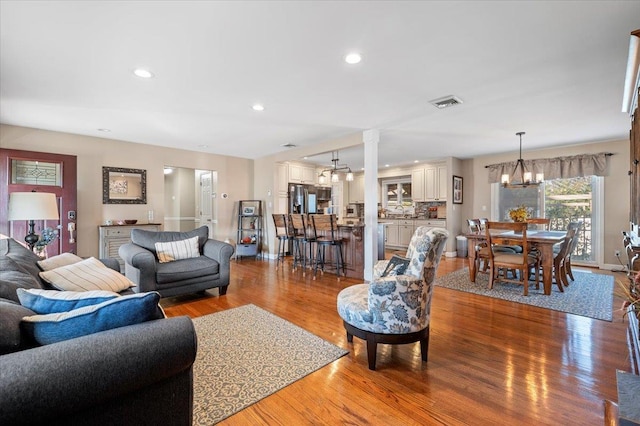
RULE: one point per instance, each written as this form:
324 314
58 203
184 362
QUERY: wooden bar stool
303 240
283 234
325 231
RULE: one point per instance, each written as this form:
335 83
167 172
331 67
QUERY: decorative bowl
130 221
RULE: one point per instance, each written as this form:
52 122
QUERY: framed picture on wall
457 190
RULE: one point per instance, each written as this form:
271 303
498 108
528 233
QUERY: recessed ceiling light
104 130
416 161
386 165
258 107
142 73
203 146
353 58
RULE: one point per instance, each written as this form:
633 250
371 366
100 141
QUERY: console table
113 236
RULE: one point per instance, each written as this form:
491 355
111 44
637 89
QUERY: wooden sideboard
113 236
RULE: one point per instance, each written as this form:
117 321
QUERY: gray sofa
211 269
139 374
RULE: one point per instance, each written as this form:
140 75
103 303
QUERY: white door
206 200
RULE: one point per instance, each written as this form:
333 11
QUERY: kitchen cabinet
299 173
356 189
417 185
405 232
400 231
435 183
392 233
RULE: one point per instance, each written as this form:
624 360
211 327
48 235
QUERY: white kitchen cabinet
113 236
392 233
309 175
282 171
417 185
405 232
299 173
356 189
435 182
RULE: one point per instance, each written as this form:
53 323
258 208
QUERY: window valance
556 168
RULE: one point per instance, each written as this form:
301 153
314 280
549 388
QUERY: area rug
246 354
590 295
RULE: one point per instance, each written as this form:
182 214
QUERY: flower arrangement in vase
48 236
519 214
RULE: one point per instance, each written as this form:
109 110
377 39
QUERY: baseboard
613 267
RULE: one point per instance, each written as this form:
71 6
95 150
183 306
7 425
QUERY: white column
370 138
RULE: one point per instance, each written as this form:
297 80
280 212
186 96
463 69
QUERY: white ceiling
553 69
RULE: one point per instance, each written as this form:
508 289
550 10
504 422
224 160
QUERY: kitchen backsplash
431 209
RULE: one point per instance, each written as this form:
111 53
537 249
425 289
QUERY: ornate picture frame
124 186
457 190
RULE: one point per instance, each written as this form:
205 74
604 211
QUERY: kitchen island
352 249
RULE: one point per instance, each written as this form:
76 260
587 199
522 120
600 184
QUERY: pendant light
521 177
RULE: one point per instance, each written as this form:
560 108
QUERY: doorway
27 171
190 199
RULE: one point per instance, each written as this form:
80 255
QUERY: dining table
541 239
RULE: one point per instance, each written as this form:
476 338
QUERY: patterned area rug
590 295
246 354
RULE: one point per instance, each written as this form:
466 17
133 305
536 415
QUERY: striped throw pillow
89 274
176 250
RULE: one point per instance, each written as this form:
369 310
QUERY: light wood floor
490 362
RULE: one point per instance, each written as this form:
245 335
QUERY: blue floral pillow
54 301
117 312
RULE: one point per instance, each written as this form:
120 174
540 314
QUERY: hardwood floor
490 361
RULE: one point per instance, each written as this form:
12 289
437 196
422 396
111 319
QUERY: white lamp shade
33 206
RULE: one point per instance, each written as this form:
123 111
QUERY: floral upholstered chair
395 309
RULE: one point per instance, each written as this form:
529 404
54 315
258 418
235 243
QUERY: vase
41 252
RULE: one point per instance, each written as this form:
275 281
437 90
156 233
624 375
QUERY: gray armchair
209 270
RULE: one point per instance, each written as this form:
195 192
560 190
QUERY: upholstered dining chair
500 262
395 309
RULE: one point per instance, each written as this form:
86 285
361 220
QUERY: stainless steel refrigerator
302 198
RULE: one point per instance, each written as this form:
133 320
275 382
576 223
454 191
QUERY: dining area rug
246 354
590 295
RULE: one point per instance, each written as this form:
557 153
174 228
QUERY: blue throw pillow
117 312
53 301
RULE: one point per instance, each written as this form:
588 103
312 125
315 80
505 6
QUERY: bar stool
283 235
328 227
302 240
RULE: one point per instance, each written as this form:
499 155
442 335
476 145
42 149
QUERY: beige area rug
590 295
246 354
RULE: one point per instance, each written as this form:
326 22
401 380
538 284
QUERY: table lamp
32 206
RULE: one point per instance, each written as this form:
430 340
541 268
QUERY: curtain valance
555 168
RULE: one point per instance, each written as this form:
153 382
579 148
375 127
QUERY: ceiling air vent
288 145
446 102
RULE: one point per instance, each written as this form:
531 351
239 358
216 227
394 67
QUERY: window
563 201
397 194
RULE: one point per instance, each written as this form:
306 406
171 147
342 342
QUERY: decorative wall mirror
124 186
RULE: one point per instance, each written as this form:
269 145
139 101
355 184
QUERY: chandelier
333 171
521 177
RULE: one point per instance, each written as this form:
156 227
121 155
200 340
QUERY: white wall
235 177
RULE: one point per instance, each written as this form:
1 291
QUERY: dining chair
572 248
542 223
560 261
481 257
499 262
326 234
